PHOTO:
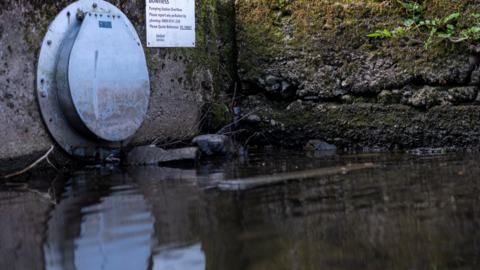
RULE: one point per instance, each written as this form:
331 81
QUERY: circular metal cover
102 79
97 85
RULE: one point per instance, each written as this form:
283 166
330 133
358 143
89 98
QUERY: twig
171 139
248 183
225 71
451 39
200 128
250 138
415 7
51 164
173 134
170 143
245 116
54 182
158 141
31 165
234 93
56 160
415 40
199 122
233 132
266 138
15 184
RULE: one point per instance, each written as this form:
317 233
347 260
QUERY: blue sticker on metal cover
105 24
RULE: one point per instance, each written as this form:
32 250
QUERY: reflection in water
406 212
169 258
104 231
22 215
115 234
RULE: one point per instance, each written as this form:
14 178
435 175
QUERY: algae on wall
322 48
366 125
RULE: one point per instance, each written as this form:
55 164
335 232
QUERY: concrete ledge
367 125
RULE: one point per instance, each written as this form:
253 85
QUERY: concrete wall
181 78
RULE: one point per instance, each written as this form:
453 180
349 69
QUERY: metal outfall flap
92 80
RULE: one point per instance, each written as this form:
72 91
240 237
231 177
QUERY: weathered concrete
182 79
22 131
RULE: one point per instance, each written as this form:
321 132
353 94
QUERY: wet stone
152 155
475 77
477 100
271 80
287 90
340 92
429 96
319 145
253 119
348 98
218 145
387 97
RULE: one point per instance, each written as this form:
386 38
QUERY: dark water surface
408 212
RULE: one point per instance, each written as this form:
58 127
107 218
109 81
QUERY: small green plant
281 3
411 9
437 29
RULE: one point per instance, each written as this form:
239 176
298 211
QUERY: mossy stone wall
322 48
365 125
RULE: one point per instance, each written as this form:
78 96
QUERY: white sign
170 23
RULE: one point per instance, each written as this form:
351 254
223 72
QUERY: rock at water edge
319 145
152 155
218 145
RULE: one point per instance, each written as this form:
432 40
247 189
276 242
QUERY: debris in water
424 150
247 183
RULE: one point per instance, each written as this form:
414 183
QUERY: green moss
365 100
214 22
321 28
220 116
